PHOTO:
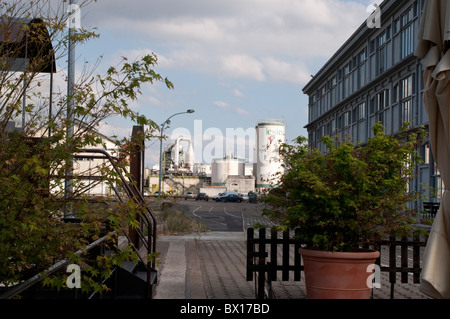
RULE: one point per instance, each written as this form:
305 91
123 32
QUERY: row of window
355 74
376 109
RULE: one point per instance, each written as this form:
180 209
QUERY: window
395 94
362 111
396 25
381 53
346 119
346 87
373 106
406 29
361 125
331 128
362 69
379 102
406 110
372 46
406 100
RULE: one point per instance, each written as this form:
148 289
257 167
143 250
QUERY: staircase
129 280
173 182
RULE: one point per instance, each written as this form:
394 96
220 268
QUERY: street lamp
160 145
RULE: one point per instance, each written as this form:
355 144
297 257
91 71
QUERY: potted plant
343 199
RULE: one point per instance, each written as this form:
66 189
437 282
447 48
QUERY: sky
234 62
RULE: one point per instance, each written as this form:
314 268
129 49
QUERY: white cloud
241 65
283 71
237 93
261 40
226 106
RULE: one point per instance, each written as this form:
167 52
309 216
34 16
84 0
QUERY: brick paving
213 266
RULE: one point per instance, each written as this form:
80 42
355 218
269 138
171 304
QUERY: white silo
270 134
224 167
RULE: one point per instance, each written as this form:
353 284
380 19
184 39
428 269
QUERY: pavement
212 265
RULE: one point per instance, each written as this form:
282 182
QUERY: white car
189 195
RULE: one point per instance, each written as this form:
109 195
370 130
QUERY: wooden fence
430 210
264 263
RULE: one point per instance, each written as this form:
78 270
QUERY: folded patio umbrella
432 49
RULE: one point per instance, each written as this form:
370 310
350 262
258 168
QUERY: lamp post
68 187
160 146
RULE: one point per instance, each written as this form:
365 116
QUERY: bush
347 196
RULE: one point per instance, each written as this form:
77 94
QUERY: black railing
147 219
430 210
264 262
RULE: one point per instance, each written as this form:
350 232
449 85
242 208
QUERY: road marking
225 211
198 216
193 212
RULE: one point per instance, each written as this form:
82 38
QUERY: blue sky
235 62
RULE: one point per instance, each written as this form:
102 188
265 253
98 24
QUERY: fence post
416 258
250 251
392 264
285 273
297 258
261 262
404 258
273 254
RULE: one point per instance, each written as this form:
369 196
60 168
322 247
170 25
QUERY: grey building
375 77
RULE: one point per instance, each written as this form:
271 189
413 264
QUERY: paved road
218 217
226 217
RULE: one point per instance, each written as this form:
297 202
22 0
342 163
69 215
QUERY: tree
34 159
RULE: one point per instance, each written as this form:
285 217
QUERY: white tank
223 167
181 159
270 134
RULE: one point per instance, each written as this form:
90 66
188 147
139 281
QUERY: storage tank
223 167
270 134
178 159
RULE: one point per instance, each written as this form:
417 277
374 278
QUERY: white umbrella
431 48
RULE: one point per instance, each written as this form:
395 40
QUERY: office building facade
375 77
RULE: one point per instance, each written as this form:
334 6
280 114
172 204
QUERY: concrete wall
212 190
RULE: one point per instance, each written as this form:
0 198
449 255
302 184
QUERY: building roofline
388 73
346 49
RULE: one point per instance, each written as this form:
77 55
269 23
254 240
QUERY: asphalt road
217 216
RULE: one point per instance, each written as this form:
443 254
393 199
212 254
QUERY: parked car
218 197
252 198
189 195
232 198
202 196
221 196
244 197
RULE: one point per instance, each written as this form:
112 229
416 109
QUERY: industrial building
229 173
179 160
270 134
375 77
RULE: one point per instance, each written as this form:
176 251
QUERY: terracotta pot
337 275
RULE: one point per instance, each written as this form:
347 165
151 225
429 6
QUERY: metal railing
147 219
